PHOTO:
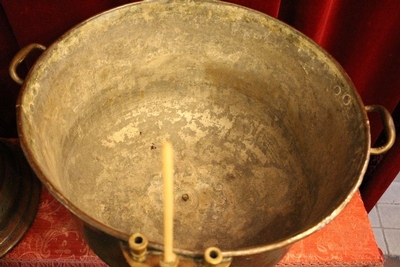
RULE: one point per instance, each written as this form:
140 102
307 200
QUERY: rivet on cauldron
346 99
337 89
185 197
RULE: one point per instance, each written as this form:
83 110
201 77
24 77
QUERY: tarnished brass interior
270 137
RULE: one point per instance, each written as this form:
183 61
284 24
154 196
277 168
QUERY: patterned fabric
53 240
346 241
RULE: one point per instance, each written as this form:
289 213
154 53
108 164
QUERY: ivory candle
168 197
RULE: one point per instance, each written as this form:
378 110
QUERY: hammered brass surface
270 137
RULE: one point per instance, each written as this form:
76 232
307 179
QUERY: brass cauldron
271 139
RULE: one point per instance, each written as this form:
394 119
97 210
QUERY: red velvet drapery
363 36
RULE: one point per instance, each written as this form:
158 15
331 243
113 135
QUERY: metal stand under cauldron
19 195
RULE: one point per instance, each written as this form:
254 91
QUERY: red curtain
362 35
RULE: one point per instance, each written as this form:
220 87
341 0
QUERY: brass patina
271 139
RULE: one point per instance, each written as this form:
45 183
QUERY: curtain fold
313 18
270 7
362 35
8 89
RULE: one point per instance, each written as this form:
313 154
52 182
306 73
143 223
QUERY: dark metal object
19 196
271 139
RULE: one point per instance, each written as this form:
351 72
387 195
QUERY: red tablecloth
53 240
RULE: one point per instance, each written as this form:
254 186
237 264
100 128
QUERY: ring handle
388 127
19 57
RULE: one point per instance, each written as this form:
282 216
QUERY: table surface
54 240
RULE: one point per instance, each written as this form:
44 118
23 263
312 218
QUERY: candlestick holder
175 263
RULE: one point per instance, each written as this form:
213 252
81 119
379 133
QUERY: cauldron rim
238 252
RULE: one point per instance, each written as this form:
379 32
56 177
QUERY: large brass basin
271 139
